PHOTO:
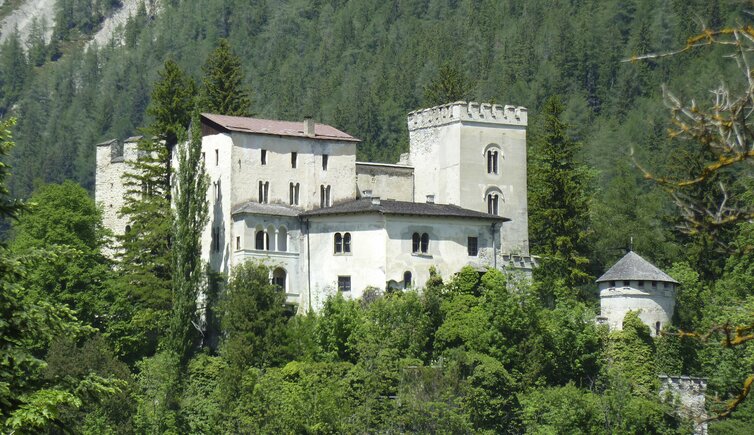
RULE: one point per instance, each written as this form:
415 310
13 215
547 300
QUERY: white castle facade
292 194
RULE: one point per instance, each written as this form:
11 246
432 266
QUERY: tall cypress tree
191 216
558 200
223 89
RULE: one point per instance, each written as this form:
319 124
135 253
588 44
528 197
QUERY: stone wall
687 395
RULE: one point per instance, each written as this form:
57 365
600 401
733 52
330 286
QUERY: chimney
430 199
375 200
366 193
308 126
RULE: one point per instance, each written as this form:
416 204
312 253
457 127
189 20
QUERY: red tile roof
278 128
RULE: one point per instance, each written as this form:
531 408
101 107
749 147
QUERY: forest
629 148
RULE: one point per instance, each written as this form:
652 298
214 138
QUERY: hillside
93 344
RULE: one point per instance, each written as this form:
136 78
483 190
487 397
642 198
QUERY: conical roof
633 267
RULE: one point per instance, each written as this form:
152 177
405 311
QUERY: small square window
640 283
654 283
626 283
612 283
344 283
264 157
473 246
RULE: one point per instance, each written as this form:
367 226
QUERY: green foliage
223 90
339 320
632 353
559 199
449 86
159 383
171 104
191 215
253 318
61 233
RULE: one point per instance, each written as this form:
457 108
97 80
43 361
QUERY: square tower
474 155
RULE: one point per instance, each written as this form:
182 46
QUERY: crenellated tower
474 155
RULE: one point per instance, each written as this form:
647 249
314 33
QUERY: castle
292 194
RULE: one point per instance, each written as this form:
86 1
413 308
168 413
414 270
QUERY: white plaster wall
386 181
510 179
435 156
654 304
248 171
218 171
448 250
365 264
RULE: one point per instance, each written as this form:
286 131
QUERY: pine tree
558 198
449 86
191 217
224 91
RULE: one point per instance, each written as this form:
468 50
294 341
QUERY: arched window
278 278
338 243
415 243
282 239
492 161
262 240
425 243
324 196
407 279
347 243
493 199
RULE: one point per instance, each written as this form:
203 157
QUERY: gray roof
266 209
633 267
392 207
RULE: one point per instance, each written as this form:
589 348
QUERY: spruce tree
191 215
558 199
171 104
223 89
450 85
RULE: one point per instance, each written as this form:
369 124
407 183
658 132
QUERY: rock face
44 10
23 16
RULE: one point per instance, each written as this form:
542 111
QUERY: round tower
634 284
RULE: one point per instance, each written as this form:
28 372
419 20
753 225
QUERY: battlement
467 111
118 149
684 383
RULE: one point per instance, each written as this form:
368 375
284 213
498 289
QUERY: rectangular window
654 283
217 157
324 162
344 283
612 283
263 158
238 242
473 246
293 160
640 284
626 283
264 191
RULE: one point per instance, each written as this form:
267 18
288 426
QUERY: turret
634 284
